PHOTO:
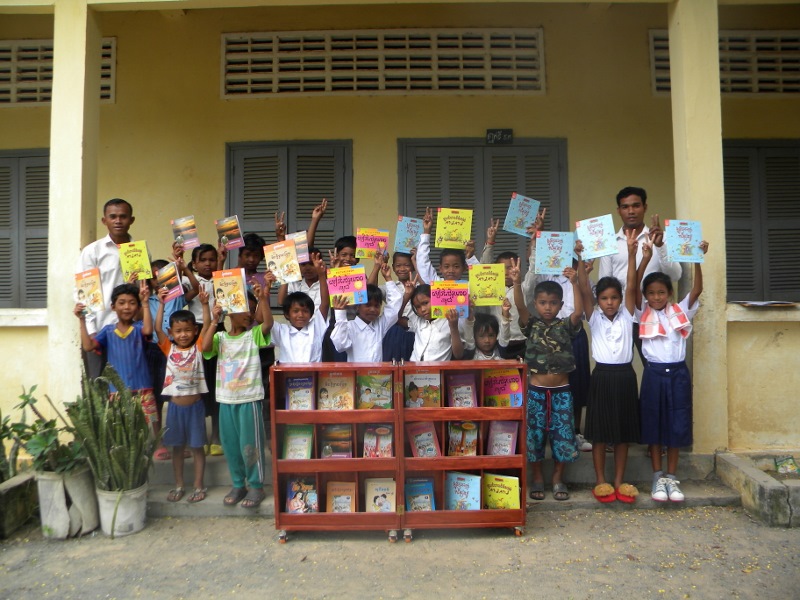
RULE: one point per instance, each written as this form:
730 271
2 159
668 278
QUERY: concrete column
74 126
697 141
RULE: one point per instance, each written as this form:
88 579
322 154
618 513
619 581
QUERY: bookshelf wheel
393 536
282 537
407 537
518 531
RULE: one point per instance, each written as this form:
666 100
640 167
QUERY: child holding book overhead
434 339
398 343
666 395
452 261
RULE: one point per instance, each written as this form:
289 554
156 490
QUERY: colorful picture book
447 294
407 234
522 212
597 236
374 389
350 282
281 259
89 290
487 284
503 387
423 439
462 491
300 392
683 241
371 242
341 497
554 251
336 390
419 494
336 440
301 495
461 390
230 291
453 228
423 390
378 441
300 239
502 439
298 441
135 261
500 492
229 232
462 438
169 277
380 495
184 232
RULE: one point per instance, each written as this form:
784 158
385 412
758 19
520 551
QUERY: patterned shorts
550 416
148 401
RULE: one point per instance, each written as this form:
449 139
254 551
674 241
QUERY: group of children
208 365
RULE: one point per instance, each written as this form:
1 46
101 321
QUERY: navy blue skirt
665 403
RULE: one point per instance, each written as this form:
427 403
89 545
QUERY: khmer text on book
230 291
597 236
407 235
522 212
169 277
300 239
683 241
281 259
89 290
229 232
350 282
487 284
135 261
553 252
453 228
370 242
184 232
447 294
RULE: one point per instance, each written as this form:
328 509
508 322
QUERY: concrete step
216 471
212 506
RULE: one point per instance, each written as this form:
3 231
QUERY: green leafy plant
10 433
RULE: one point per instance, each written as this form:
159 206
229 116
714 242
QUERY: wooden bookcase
402 464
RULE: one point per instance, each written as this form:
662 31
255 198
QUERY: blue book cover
598 236
553 252
462 491
419 494
521 213
407 235
683 241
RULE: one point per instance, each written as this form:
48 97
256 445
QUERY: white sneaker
659 491
674 492
582 444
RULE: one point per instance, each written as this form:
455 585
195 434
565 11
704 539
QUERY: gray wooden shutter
35 190
742 224
258 188
8 237
781 168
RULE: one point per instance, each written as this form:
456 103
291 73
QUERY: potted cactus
17 489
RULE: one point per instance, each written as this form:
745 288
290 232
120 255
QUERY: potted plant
119 446
17 490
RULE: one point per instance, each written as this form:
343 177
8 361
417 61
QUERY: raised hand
144 291
319 209
333 258
280 226
505 309
514 271
469 248
570 274
656 233
203 297
491 231
340 302
427 220
578 247
704 246
162 295
631 241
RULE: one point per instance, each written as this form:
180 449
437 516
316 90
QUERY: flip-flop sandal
197 495
175 495
627 493
234 496
215 450
537 491
253 498
162 454
560 492
604 493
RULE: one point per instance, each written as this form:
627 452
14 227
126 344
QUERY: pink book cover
502 438
423 439
461 390
370 242
502 387
350 282
449 294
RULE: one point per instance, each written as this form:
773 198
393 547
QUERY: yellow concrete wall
24 365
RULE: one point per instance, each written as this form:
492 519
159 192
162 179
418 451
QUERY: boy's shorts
186 425
148 401
550 416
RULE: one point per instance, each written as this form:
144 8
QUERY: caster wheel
392 536
407 537
518 531
282 537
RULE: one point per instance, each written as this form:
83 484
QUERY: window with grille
394 61
750 62
26 71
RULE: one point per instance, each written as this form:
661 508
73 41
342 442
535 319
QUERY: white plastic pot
67 503
122 513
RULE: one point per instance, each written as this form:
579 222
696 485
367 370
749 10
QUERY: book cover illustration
683 241
500 492
378 441
300 239
168 277
89 290
407 234
447 294
423 390
281 259
487 284
380 495
135 261
462 491
502 440
374 389
350 282
597 236
230 291
298 441
300 393
371 242
453 227
336 390
423 439
336 440
229 232
184 232
341 497
461 390
554 251
419 494
301 495
502 387
462 438
521 213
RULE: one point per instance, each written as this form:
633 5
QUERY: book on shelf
380 495
300 239
500 492
374 389
419 494
503 387
135 261
598 236
341 497
89 290
453 228
229 232
371 242
422 390
350 282
281 260
301 495
300 392
447 294
423 439
336 440
298 440
407 234
461 390
169 277
554 251
184 232
378 441
462 438
336 390
462 491
487 284
522 212
683 241
502 438
230 291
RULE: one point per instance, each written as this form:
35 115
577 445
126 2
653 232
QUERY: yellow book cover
230 291
500 491
487 284
89 291
135 260
453 228
336 390
281 259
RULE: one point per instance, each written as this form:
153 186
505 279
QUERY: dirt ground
669 553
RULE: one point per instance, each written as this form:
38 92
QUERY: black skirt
612 416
